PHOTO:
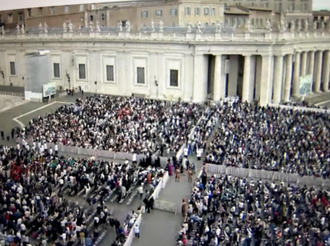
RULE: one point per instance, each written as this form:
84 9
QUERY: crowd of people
229 210
117 124
271 138
32 185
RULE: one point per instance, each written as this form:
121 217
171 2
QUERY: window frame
188 11
206 11
10 18
19 17
144 14
110 77
160 13
197 11
174 74
213 12
80 65
82 7
174 12
12 67
56 66
138 72
66 9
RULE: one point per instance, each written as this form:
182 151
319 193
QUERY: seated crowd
32 204
117 124
229 210
272 139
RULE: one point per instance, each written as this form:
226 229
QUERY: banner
49 89
305 84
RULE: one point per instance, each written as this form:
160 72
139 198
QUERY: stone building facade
195 65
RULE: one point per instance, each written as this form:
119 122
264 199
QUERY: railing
131 234
215 35
269 175
14 94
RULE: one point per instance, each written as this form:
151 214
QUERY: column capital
247 55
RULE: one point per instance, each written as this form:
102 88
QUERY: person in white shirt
134 158
137 231
56 149
140 190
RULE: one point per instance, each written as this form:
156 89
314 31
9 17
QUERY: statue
161 26
306 25
152 26
283 26
40 27
45 27
64 27
3 30
70 26
120 26
91 28
218 26
128 26
98 29
248 25
199 25
268 26
299 26
315 25
292 26
322 25
189 27
22 29
18 29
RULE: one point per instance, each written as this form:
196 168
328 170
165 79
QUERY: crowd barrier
166 206
270 175
300 108
131 234
161 185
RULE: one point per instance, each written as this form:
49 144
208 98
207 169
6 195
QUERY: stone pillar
247 92
217 78
318 71
267 79
278 79
296 75
311 63
258 77
325 85
233 75
288 78
303 63
200 78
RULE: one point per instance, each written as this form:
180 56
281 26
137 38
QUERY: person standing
190 175
137 231
177 175
184 208
140 190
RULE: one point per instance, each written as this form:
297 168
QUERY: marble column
218 90
288 78
258 77
325 85
247 92
311 63
267 72
318 71
278 79
296 76
200 78
303 63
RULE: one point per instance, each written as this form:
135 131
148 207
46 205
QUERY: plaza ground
158 228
